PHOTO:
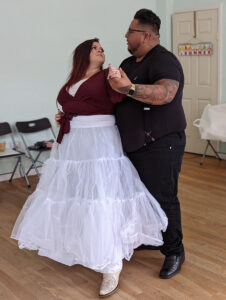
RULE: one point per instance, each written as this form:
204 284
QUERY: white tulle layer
89 207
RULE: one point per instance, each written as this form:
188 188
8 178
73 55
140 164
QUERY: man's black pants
159 165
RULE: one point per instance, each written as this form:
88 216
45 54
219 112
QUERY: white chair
212 126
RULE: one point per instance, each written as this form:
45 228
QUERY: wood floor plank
202 191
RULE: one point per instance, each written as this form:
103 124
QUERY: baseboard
6 177
222 156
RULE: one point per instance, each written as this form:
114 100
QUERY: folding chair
204 154
29 127
13 153
212 127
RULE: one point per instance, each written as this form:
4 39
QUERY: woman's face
97 54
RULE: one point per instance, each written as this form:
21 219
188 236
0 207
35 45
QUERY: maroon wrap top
94 97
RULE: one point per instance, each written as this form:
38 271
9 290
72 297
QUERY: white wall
37 40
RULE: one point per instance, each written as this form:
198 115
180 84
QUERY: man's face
135 37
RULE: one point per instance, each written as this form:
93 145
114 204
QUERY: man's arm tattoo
124 89
160 93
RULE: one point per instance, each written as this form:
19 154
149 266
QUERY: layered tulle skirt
90 206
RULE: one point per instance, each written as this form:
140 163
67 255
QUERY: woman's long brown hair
80 63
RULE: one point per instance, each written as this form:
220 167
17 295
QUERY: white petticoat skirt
90 206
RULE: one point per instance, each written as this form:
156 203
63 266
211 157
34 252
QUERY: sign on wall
195 49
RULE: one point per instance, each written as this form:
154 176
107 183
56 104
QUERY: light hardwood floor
202 191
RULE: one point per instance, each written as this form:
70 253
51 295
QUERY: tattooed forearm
160 93
124 89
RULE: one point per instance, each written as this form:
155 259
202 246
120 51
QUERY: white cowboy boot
109 284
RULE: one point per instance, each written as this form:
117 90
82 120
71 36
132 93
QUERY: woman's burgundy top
93 97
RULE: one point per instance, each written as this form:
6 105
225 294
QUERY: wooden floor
25 275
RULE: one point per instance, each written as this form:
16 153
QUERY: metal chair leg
24 174
217 155
204 154
34 164
14 170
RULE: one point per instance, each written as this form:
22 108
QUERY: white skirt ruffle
90 206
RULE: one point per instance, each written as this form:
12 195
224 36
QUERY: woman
89 207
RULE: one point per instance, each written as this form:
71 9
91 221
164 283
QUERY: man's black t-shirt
140 123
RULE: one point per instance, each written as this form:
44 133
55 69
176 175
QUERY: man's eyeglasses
130 30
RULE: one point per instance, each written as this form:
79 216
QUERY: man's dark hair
148 17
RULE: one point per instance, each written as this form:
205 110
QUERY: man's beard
133 50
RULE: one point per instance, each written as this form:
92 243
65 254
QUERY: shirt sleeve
167 67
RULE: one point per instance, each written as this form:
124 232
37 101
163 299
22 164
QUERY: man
151 122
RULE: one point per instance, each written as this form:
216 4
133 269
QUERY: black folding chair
29 127
5 129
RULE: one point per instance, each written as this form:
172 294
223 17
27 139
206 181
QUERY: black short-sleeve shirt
140 123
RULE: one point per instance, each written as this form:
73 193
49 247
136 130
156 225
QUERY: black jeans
159 165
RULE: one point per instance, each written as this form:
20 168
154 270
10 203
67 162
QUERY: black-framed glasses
130 30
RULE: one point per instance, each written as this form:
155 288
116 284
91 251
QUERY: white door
201 72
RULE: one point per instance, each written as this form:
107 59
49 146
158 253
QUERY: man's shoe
109 284
171 266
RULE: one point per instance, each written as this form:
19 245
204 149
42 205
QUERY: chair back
33 126
5 128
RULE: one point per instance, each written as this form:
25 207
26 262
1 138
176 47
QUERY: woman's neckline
91 75
85 81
